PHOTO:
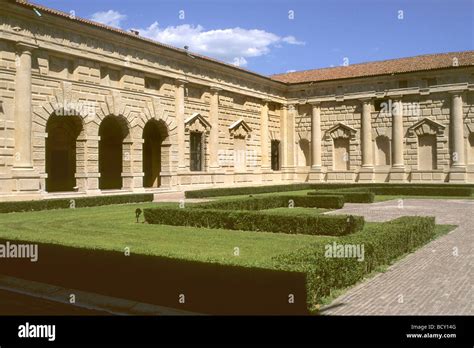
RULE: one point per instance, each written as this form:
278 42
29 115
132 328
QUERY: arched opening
61 152
304 157
427 152
154 156
383 150
470 155
341 154
112 132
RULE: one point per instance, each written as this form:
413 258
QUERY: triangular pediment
197 123
427 126
240 128
341 130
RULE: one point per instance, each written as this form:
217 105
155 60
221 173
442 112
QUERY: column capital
366 100
457 92
181 82
25 46
266 101
395 97
314 103
215 89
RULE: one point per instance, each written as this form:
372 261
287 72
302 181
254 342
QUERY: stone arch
63 103
60 152
154 110
114 155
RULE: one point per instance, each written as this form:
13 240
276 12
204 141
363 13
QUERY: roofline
80 20
377 75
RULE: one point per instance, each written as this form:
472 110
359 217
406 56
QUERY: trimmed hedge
230 191
382 243
247 190
269 202
332 225
349 197
78 202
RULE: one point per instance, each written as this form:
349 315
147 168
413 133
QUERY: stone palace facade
87 108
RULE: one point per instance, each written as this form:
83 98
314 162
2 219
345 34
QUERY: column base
398 174
26 180
366 174
316 174
458 174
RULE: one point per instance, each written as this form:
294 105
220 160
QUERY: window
275 155
114 75
151 83
196 151
431 81
103 73
379 104
402 84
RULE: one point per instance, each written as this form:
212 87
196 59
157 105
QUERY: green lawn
114 228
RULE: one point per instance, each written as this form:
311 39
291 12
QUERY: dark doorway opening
154 134
61 152
112 134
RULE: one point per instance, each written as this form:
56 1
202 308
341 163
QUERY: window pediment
341 130
197 123
240 129
426 126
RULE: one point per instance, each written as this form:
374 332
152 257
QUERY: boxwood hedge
382 243
269 202
333 225
349 197
77 202
441 189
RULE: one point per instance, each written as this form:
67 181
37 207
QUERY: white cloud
232 45
110 17
290 71
292 40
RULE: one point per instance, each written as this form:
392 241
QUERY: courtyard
414 282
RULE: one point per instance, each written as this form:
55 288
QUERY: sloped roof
384 67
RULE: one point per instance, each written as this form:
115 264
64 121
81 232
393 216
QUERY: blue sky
263 36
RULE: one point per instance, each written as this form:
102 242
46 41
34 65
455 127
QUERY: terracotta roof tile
385 67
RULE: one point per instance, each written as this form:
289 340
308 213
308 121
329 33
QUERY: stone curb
87 300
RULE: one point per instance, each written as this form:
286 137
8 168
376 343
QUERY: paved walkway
430 281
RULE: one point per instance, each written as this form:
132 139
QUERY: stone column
366 134
284 136
23 108
316 136
25 178
214 132
456 124
264 136
397 134
179 106
457 171
292 110
397 172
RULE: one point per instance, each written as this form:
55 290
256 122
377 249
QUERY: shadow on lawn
208 288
